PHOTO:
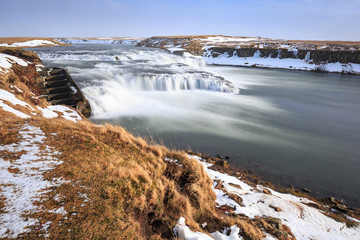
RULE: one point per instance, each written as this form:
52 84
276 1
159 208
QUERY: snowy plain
31 43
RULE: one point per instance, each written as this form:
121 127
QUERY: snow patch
295 212
67 113
284 63
23 182
6 62
183 232
9 97
177 162
31 43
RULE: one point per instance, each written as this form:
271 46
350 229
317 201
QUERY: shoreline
222 165
285 69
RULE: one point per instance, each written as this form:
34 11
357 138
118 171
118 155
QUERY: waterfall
257 54
307 57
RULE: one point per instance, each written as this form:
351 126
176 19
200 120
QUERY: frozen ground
6 62
31 43
22 180
305 222
8 100
285 63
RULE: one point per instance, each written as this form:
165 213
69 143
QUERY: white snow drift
31 43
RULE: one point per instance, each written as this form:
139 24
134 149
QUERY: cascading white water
111 79
149 70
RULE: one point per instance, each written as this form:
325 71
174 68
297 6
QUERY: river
288 127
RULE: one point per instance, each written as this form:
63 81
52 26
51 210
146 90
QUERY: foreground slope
65 177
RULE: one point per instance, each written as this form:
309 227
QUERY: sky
285 19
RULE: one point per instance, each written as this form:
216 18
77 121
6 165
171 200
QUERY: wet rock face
318 56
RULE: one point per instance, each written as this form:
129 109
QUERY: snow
6 62
31 43
175 49
48 112
172 160
295 213
25 185
124 41
284 63
7 108
67 113
221 39
183 232
9 97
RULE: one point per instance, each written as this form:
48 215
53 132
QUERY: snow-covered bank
30 43
22 180
305 221
322 56
284 63
6 62
8 101
122 41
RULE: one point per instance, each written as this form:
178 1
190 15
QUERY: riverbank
317 56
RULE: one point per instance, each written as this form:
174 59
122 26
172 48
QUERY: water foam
149 56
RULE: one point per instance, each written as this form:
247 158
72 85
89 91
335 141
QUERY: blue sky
287 19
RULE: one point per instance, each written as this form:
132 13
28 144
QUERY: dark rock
277 209
341 207
219 156
266 191
223 163
227 208
235 185
274 222
237 199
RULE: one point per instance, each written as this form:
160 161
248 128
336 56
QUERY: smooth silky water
288 127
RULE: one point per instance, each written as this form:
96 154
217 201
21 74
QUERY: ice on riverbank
284 63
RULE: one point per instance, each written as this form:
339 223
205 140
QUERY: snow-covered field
22 180
30 43
124 41
305 222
